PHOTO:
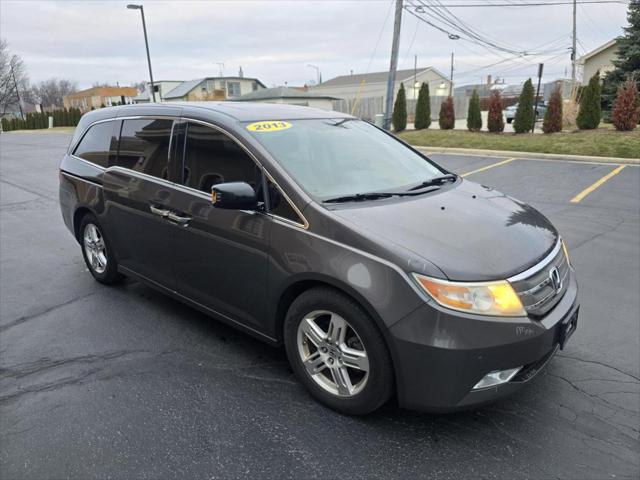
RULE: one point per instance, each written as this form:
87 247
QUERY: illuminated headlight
496 378
486 298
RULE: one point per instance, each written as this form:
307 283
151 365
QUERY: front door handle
161 212
179 219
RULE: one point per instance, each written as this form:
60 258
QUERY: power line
533 4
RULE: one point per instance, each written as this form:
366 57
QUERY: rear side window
98 144
144 146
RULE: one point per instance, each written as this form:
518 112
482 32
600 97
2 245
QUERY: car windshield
332 158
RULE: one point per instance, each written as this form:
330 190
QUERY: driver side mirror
234 196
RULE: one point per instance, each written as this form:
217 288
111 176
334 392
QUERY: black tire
110 274
379 385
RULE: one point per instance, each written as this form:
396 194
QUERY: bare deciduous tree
8 92
49 93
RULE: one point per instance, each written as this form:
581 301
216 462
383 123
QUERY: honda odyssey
379 271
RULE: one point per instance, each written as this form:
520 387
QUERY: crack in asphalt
602 364
33 192
26 318
592 395
44 364
598 235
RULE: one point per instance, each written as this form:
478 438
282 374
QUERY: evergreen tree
495 119
553 116
523 121
627 60
590 112
423 108
447 119
625 108
474 117
399 118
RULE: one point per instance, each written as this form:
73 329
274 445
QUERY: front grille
537 291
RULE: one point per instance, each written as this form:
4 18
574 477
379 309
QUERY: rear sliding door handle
179 219
161 212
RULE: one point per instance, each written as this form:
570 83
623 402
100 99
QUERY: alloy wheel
95 248
332 353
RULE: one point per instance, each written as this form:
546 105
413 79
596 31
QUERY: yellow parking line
503 162
590 189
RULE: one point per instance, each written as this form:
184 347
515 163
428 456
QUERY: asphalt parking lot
122 382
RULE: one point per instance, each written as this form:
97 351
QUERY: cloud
92 41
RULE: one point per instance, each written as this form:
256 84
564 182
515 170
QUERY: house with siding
213 88
599 59
291 96
97 97
374 85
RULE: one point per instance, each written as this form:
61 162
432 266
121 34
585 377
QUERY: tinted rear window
98 144
144 146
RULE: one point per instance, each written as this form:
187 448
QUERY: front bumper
440 355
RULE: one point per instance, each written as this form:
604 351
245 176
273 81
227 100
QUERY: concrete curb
525 155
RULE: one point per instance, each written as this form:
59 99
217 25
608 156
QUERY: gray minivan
379 271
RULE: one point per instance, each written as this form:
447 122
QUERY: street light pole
393 65
146 44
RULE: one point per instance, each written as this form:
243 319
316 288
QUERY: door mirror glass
234 196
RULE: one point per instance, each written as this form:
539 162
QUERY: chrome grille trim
538 266
534 286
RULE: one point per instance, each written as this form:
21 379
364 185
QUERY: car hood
470 232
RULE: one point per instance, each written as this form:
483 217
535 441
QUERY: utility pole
535 108
391 82
573 49
415 74
451 77
15 83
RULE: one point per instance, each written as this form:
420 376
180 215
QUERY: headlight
566 252
486 298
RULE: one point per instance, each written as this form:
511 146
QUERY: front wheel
337 352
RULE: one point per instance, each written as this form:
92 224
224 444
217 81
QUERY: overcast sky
102 41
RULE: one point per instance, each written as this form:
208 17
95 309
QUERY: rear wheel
338 352
97 251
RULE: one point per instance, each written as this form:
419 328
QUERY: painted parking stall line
579 197
493 165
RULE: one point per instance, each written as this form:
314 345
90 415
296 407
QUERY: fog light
496 378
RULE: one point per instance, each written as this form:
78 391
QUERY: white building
290 96
374 85
599 59
163 87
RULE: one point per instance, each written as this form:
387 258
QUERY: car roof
245 111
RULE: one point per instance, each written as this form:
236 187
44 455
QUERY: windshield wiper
361 196
435 181
357 197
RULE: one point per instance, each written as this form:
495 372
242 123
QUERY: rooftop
375 77
281 92
185 87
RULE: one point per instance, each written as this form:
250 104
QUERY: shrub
625 107
590 111
399 118
523 121
495 120
447 119
474 118
423 108
553 116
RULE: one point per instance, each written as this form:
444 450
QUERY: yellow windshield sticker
269 126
